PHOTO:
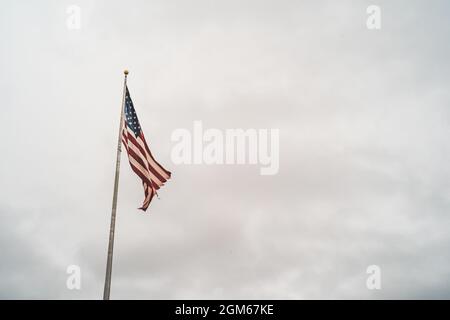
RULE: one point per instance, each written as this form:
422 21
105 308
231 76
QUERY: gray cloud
363 118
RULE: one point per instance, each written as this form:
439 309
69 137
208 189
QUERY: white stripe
138 166
151 161
147 157
149 196
136 150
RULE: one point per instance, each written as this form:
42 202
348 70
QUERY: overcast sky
364 120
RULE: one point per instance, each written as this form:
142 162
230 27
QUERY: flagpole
107 288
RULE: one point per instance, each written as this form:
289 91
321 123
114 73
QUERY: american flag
152 174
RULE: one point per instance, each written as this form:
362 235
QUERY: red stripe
155 173
156 181
146 189
144 208
141 174
131 153
151 156
139 146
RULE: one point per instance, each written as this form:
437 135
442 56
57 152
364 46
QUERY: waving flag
152 174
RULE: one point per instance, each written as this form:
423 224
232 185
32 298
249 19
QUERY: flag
152 174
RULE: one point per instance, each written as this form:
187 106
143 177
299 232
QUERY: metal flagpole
107 288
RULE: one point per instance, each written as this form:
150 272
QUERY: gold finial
125 72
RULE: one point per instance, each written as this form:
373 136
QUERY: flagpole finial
125 72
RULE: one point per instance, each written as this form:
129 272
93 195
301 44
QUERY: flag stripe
141 153
141 141
167 173
139 170
143 173
137 154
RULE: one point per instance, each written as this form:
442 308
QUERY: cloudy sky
364 120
